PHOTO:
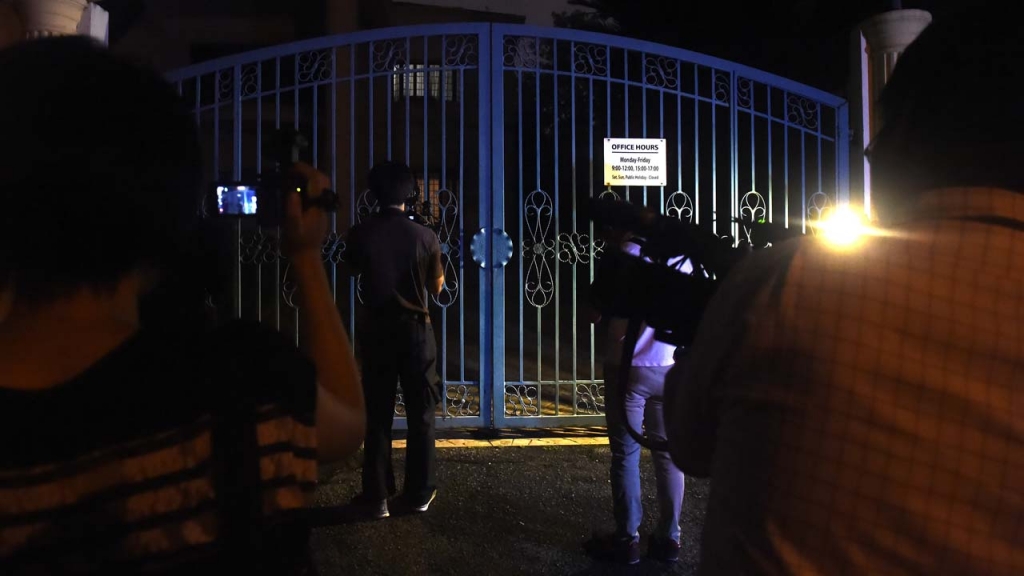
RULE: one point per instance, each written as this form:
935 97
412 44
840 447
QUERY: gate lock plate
501 248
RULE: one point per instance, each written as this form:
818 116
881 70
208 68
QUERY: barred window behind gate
419 81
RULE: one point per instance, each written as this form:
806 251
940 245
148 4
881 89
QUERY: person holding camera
640 400
400 266
128 446
859 410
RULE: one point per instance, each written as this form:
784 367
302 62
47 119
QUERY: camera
420 213
264 198
236 199
672 302
392 173
201 282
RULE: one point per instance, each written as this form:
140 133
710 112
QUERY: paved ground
500 510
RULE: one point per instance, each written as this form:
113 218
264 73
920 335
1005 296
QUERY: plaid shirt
862 412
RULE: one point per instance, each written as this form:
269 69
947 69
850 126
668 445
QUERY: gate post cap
44 18
893 31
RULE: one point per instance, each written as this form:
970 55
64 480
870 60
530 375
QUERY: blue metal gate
505 125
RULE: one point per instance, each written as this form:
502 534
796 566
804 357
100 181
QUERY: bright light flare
843 227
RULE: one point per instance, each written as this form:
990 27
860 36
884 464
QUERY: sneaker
663 549
423 505
376 509
612 548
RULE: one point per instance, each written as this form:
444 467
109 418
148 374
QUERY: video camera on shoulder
263 198
419 212
672 301
392 176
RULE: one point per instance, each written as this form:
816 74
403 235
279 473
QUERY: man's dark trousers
401 348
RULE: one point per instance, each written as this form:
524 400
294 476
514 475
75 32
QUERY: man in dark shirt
400 262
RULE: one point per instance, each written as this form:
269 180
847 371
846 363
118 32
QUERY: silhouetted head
951 112
392 183
100 172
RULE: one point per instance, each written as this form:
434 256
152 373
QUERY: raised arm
340 411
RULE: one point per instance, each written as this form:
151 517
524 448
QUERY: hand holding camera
304 227
296 197
267 198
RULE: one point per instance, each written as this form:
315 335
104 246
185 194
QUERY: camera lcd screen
236 200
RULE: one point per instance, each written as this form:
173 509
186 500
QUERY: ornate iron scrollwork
599 244
462 400
723 83
333 249
573 248
538 250
752 208
250 80
590 59
461 50
449 236
590 398
744 93
359 289
226 84
258 248
520 52
315 65
679 205
521 400
818 207
289 288
388 55
366 204
400 402
661 72
802 112
527 52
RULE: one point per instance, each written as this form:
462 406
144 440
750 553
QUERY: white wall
537 12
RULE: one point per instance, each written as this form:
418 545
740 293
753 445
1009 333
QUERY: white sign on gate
635 162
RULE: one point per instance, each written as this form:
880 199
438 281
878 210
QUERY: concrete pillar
95 22
42 18
875 47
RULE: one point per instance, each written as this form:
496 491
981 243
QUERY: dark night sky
806 40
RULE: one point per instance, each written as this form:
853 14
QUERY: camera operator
128 447
400 263
642 399
859 410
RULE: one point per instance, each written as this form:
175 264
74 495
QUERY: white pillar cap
893 31
42 18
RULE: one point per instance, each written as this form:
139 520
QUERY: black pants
393 350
